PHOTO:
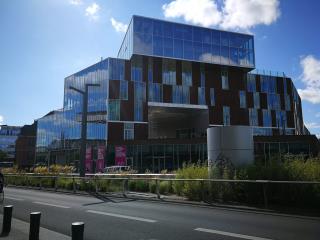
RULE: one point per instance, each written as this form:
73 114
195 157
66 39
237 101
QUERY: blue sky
42 42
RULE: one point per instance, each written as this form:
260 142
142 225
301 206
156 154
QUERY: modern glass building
168 84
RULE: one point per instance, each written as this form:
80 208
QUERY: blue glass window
287 102
216 37
224 55
168 47
226 115
256 100
224 39
201 96
150 70
157 28
206 36
178 48
186 74
212 97
197 34
224 79
180 94
167 29
234 56
253 117
281 119
188 50
142 25
215 54
114 110
143 43
139 98
169 71
267 121
116 69
123 90
243 102
198 53
155 92
136 68
178 31
268 84
158 46
128 131
251 82
206 53
273 101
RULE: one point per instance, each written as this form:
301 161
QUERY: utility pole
83 145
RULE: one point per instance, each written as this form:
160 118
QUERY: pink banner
120 155
100 160
88 162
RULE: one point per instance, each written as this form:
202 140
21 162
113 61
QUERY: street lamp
84 124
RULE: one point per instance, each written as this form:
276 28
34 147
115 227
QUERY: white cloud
75 2
92 11
118 26
233 14
202 12
312 125
246 14
1 119
311 78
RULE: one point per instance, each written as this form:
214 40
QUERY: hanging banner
88 163
100 159
120 155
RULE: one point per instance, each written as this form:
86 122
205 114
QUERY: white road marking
231 234
13 198
52 205
123 216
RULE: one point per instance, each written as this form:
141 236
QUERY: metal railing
206 190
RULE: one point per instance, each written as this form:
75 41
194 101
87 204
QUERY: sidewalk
20 231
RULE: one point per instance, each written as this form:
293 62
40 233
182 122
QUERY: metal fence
167 187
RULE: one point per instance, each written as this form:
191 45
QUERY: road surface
120 218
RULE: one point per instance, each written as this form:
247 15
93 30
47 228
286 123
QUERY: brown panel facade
167 93
289 87
115 131
239 116
126 110
193 95
196 74
215 115
260 118
140 131
157 70
114 89
258 83
250 103
273 117
178 72
263 101
279 85
145 69
290 119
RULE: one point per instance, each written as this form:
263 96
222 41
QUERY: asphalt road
119 218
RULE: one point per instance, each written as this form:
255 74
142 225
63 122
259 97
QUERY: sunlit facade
169 83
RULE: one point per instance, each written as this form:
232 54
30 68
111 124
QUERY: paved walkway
20 231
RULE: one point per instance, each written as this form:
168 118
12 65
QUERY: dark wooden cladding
140 131
239 116
280 86
196 74
260 118
179 72
126 110
273 117
236 80
282 102
215 115
127 70
211 74
157 70
114 89
289 87
115 131
250 103
193 95
258 83
145 69
290 119
167 93
263 101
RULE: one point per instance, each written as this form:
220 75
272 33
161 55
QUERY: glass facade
253 117
180 94
169 71
128 131
186 74
243 99
201 96
226 115
267 121
139 99
224 79
251 82
152 37
155 92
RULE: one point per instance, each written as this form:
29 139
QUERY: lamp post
84 124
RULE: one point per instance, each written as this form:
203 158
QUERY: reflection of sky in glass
174 40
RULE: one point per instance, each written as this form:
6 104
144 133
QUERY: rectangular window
273 101
281 119
186 74
116 69
155 92
139 99
267 122
114 110
256 100
150 70
180 94
128 131
224 79
243 99
136 69
251 82
268 84
212 97
226 115
169 71
123 90
253 117
201 96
